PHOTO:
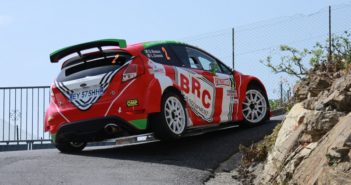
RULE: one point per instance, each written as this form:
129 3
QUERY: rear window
92 64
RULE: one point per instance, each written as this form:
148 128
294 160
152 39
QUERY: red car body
129 94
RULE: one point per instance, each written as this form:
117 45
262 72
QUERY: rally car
108 89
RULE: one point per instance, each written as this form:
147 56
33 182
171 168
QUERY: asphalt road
186 161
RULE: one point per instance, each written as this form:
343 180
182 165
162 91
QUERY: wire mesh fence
254 42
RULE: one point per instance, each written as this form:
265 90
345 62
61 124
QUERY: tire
255 106
70 147
171 122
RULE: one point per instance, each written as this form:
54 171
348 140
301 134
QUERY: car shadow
200 152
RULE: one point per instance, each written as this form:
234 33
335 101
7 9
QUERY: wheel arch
253 81
154 117
174 90
155 94
247 81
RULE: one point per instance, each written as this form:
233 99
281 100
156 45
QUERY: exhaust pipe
111 128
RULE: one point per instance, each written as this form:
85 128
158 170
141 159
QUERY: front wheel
70 147
255 107
171 122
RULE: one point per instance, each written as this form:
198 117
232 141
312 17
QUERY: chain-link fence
255 42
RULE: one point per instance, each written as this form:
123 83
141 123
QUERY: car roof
155 43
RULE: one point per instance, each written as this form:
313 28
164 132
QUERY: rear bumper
94 130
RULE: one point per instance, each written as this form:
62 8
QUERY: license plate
86 93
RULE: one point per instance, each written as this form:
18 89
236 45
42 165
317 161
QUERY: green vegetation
274 104
297 62
258 152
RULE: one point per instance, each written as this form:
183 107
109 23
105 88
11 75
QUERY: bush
295 62
258 152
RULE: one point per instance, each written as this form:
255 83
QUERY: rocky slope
313 145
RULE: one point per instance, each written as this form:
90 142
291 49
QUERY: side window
206 63
181 54
162 54
194 63
225 69
202 60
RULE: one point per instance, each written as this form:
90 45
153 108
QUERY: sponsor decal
154 68
198 91
232 93
159 72
226 83
153 53
132 103
220 82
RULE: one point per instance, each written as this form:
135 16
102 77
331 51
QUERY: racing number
166 53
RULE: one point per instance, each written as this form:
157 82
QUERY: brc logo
195 89
198 91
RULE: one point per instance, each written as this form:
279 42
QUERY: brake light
132 71
51 92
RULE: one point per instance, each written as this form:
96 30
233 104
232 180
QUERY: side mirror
214 67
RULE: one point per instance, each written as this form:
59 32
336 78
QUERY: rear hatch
84 79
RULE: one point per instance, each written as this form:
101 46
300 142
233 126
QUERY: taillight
132 71
51 92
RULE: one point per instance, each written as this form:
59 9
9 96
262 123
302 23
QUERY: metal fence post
330 37
281 93
233 48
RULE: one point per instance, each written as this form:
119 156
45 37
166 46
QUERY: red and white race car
108 89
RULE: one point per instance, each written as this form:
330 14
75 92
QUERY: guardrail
22 111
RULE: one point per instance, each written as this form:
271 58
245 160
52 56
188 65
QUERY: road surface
186 161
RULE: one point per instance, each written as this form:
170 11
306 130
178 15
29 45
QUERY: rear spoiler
61 53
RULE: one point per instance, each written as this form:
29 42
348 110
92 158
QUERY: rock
257 172
314 143
337 155
340 100
318 83
319 91
299 136
341 84
332 176
338 97
223 178
344 167
320 122
286 142
305 138
315 169
310 103
348 142
293 162
301 90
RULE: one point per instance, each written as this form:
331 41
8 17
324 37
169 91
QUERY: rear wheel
70 147
255 107
171 122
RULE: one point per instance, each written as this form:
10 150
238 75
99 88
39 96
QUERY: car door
223 84
207 86
217 86
196 85
203 89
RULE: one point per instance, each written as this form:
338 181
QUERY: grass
259 151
